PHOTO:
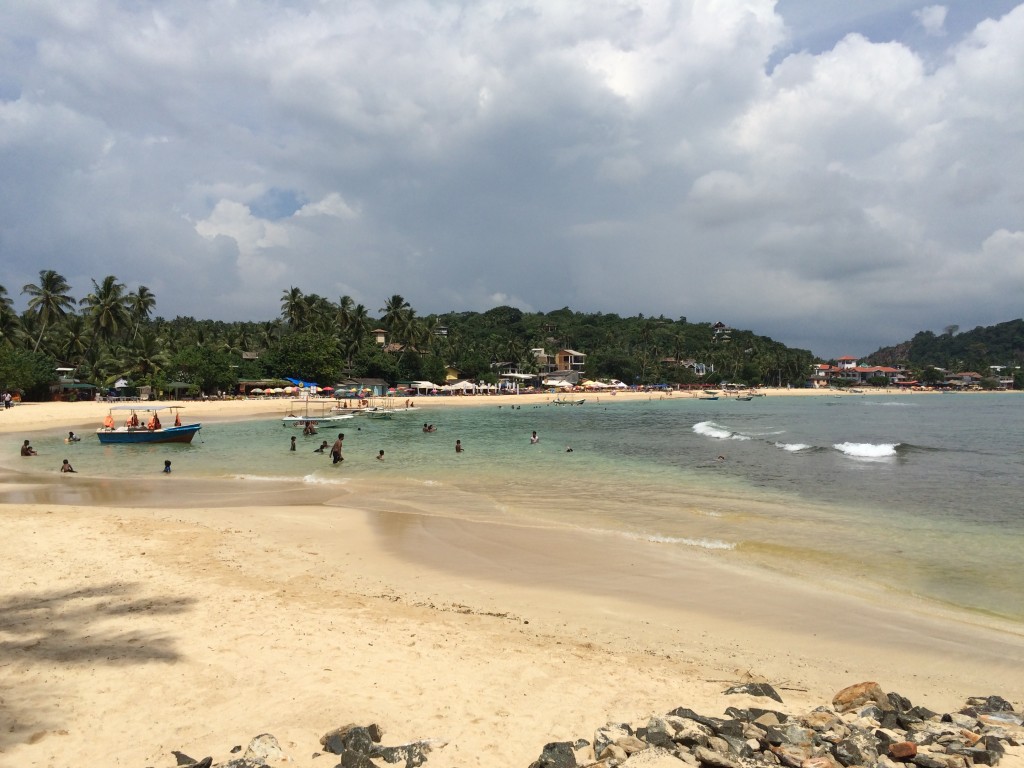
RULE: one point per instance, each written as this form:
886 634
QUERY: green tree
293 307
107 309
307 356
29 372
140 305
49 300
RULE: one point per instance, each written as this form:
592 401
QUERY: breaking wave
717 431
867 450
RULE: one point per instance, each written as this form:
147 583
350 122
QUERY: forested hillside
974 350
112 333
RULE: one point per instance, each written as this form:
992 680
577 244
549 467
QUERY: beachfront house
545 363
848 371
570 360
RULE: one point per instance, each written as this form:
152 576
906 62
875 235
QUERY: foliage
975 350
114 334
25 370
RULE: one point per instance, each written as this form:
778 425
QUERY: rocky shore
863 727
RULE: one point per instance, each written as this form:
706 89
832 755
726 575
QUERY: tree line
113 333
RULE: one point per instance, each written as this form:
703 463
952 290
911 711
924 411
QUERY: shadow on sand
44 631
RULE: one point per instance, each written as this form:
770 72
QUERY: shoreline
139 623
88 415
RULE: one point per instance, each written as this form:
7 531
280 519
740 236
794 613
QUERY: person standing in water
458 446
534 439
337 448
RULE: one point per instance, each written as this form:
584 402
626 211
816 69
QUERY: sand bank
133 624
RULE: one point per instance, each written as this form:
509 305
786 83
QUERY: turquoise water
909 495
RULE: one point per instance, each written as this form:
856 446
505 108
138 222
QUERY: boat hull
182 434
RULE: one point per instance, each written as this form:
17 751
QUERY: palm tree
107 309
293 307
50 300
8 319
73 340
358 330
140 304
395 311
343 313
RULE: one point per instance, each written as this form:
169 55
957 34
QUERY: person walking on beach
458 446
167 466
66 466
27 450
336 449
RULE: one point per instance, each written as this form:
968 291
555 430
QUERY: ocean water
907 496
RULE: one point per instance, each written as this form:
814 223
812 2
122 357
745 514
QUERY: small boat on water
146 428
568 401
308 416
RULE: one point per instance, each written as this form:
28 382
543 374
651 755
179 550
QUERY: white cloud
652 156
332 205
932 19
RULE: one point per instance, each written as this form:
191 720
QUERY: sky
837 175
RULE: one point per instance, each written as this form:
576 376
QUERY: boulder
858 695
264 749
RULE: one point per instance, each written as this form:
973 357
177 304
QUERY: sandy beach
196 619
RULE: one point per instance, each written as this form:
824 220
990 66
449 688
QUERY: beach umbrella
327 389
256 391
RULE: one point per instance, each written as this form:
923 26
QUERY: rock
989 704
655 757
902 750
712 759
822 761
351 737
631 745
755 689
609 733
413 754
264 749
659 733
858 695
690 733
558 754
613 752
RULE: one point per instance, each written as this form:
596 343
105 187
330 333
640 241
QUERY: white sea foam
314 480
717 431
268 479
867 450
700 543
793 447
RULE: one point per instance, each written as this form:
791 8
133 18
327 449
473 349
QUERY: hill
975 350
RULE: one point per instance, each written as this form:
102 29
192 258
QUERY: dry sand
129 631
